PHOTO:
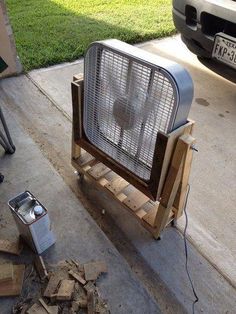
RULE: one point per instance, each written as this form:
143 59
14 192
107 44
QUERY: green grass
53 31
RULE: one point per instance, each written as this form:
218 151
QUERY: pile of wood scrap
69 287
11 276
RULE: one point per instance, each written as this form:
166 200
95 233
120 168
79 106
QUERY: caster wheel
159 238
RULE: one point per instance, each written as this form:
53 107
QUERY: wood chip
36 309
11 247
75 306
77 277
65 290
83 303
45 306
94 269
53 309
6 272
89 286
53 298
52 285
74 262
13 287
39 309
91 302
101 306
40 267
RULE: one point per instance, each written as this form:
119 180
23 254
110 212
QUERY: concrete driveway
211 207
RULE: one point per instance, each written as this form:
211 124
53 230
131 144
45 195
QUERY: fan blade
146 113
112 82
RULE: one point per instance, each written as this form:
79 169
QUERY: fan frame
164 147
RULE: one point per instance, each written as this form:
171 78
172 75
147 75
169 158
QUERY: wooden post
173 182
77 99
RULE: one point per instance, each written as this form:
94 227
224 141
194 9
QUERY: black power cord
186 252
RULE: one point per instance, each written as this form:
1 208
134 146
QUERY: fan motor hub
124 113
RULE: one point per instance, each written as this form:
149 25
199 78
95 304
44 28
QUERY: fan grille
126 104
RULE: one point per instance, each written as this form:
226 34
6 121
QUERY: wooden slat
149 218
140 213
103 182
117 185
121 197
135 200
85 159
98 171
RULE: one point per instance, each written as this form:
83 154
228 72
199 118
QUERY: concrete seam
48 97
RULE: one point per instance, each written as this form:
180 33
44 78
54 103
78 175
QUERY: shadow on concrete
219 68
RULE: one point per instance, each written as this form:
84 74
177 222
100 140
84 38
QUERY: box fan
131 98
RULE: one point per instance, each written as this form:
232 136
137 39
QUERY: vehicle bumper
199 20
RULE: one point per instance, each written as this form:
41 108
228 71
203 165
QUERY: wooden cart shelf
154 216
137 203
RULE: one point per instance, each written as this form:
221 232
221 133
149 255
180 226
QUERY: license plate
224 49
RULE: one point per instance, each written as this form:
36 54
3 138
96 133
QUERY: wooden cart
178 151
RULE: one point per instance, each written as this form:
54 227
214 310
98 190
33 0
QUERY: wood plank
78 77
163 155
11 247
98 171
77 277
94 269
13 287
65 290
117 185
6 272
181 194
40 267
135 200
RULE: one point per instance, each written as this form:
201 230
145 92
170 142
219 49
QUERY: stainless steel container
32 221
